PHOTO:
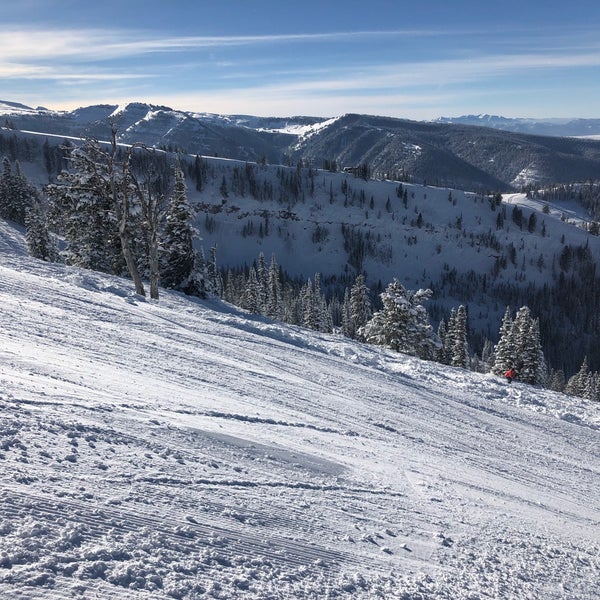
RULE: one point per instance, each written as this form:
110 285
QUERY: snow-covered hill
183 449
455 154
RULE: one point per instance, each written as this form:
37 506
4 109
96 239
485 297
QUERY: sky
416 60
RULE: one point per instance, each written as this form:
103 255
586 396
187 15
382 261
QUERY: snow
185 449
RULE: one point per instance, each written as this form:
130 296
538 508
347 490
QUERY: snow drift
184 449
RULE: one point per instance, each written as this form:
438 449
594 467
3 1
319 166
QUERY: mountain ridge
465 156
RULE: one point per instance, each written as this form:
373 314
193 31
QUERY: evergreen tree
460 345
251 298
230 294
177 247
504 352
81 211
263 283
578 384
309 316
530 363
556 380
214 283
448 343
16 195
442 332
39 242
360 305
97 206
402 324
520 347
274 292
347 325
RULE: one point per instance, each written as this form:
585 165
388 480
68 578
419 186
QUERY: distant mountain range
553 127
470 153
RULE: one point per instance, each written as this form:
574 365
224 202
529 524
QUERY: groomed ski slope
184 449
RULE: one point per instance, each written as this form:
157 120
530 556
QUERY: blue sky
417 59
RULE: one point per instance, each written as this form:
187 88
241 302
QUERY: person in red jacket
510 375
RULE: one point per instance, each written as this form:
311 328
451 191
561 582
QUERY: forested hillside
321 228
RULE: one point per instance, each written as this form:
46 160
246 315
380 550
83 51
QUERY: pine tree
308 307
177 247
39 242
577 384
520 347
442 332
402 324
97 204
263 283
274 293
214 283
81 211
347 323
448 343
530 363
460 345
556 380
251 298
504 352
16 195
360 304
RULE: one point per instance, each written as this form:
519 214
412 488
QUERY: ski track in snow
184 449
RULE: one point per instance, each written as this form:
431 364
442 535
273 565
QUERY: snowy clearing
183 449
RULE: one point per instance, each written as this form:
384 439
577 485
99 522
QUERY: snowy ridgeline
183 449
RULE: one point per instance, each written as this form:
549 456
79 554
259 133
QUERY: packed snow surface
185 449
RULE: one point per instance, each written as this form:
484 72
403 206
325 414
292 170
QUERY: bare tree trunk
154 269
122 208
128 256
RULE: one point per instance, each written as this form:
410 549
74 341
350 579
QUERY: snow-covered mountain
456 155
184 449
554 127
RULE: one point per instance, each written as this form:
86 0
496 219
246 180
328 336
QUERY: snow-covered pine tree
274 307
322 315
251 298
442 332
100 195
80 210
263 283
448 343
178 258
578 383
214 282
403 323
505 351
360 304
460 344
530 362
229 292
309 314
347 324
556 380
39 242
16 195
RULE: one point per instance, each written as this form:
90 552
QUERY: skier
510 375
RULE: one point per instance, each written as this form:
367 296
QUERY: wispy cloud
192 70
106 44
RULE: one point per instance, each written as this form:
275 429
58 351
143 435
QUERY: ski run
185 449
